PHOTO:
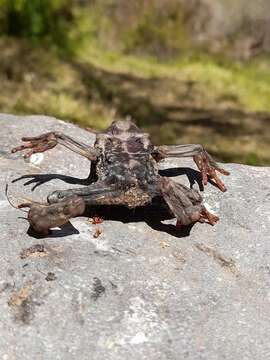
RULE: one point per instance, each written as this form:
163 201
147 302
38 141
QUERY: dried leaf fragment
95 220
164 244
97 233
17 298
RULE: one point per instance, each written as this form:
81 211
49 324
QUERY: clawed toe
36 144
203 217
208 217
209 168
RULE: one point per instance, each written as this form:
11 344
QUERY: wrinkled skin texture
124 171
43 217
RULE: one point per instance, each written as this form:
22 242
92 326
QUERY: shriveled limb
184 203
89 193
49 140
63 205
43 217
100 193
205 163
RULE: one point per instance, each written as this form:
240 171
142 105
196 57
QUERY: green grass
114 84
247 85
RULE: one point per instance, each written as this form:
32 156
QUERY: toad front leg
49 140
207 166
185 203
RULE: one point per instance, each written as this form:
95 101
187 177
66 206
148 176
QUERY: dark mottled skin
124 171
126 159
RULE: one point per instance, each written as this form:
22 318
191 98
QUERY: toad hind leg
100 193
63 205
185 203
43 217
91 194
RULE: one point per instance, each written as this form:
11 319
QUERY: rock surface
139 290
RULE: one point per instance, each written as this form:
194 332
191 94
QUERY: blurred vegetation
45 22
90 61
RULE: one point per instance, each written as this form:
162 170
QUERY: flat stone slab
141 289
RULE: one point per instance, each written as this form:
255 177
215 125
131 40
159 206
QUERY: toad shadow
153 214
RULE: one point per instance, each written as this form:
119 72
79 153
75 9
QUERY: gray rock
136 291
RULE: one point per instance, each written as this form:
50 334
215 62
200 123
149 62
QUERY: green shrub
158 34
41 21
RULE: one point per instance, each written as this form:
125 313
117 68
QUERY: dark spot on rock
11 272
24 313
5 286
228 264
21 302
113 285
102 253
50 276
98 289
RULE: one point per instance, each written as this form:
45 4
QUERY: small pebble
36 159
